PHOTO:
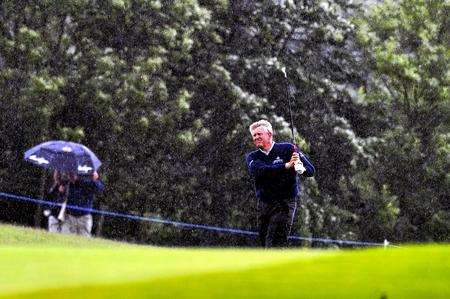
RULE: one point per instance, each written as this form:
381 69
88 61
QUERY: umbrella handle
62 212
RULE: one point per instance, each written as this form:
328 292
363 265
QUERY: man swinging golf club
274 168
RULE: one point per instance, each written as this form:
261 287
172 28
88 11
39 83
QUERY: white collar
268 152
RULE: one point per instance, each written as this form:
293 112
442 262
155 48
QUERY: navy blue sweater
81 194
272 180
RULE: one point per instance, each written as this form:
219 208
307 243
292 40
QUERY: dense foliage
164 92
406 47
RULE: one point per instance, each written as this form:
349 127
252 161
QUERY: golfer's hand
95 176
294 159
61 189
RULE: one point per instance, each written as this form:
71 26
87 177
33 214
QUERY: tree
126 78
406 50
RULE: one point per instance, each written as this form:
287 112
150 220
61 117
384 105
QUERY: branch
391 91
56 61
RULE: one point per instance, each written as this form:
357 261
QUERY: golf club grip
62 212
299 167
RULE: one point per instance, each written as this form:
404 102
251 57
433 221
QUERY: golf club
298 166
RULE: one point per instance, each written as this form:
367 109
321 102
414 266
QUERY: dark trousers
275 222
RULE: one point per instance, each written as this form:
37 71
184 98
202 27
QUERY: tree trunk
38 213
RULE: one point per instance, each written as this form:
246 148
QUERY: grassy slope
35 264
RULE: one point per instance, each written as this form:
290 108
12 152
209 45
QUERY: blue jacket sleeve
310 170
260 168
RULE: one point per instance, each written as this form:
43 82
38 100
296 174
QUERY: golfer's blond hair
261 123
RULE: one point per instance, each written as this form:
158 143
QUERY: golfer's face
261 138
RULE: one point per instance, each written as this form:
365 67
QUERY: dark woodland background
164 92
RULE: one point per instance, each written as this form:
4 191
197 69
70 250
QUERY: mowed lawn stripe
413 272
37 264
31 268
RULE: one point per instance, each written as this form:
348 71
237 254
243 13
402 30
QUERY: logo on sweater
277 160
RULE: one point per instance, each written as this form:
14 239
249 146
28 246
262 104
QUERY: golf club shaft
299 168
288 96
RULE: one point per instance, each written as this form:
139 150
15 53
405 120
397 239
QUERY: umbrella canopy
63 156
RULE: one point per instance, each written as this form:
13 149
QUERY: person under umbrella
52 211
76 182
76 192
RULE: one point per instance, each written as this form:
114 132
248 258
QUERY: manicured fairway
36 264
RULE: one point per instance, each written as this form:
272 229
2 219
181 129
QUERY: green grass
37 264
